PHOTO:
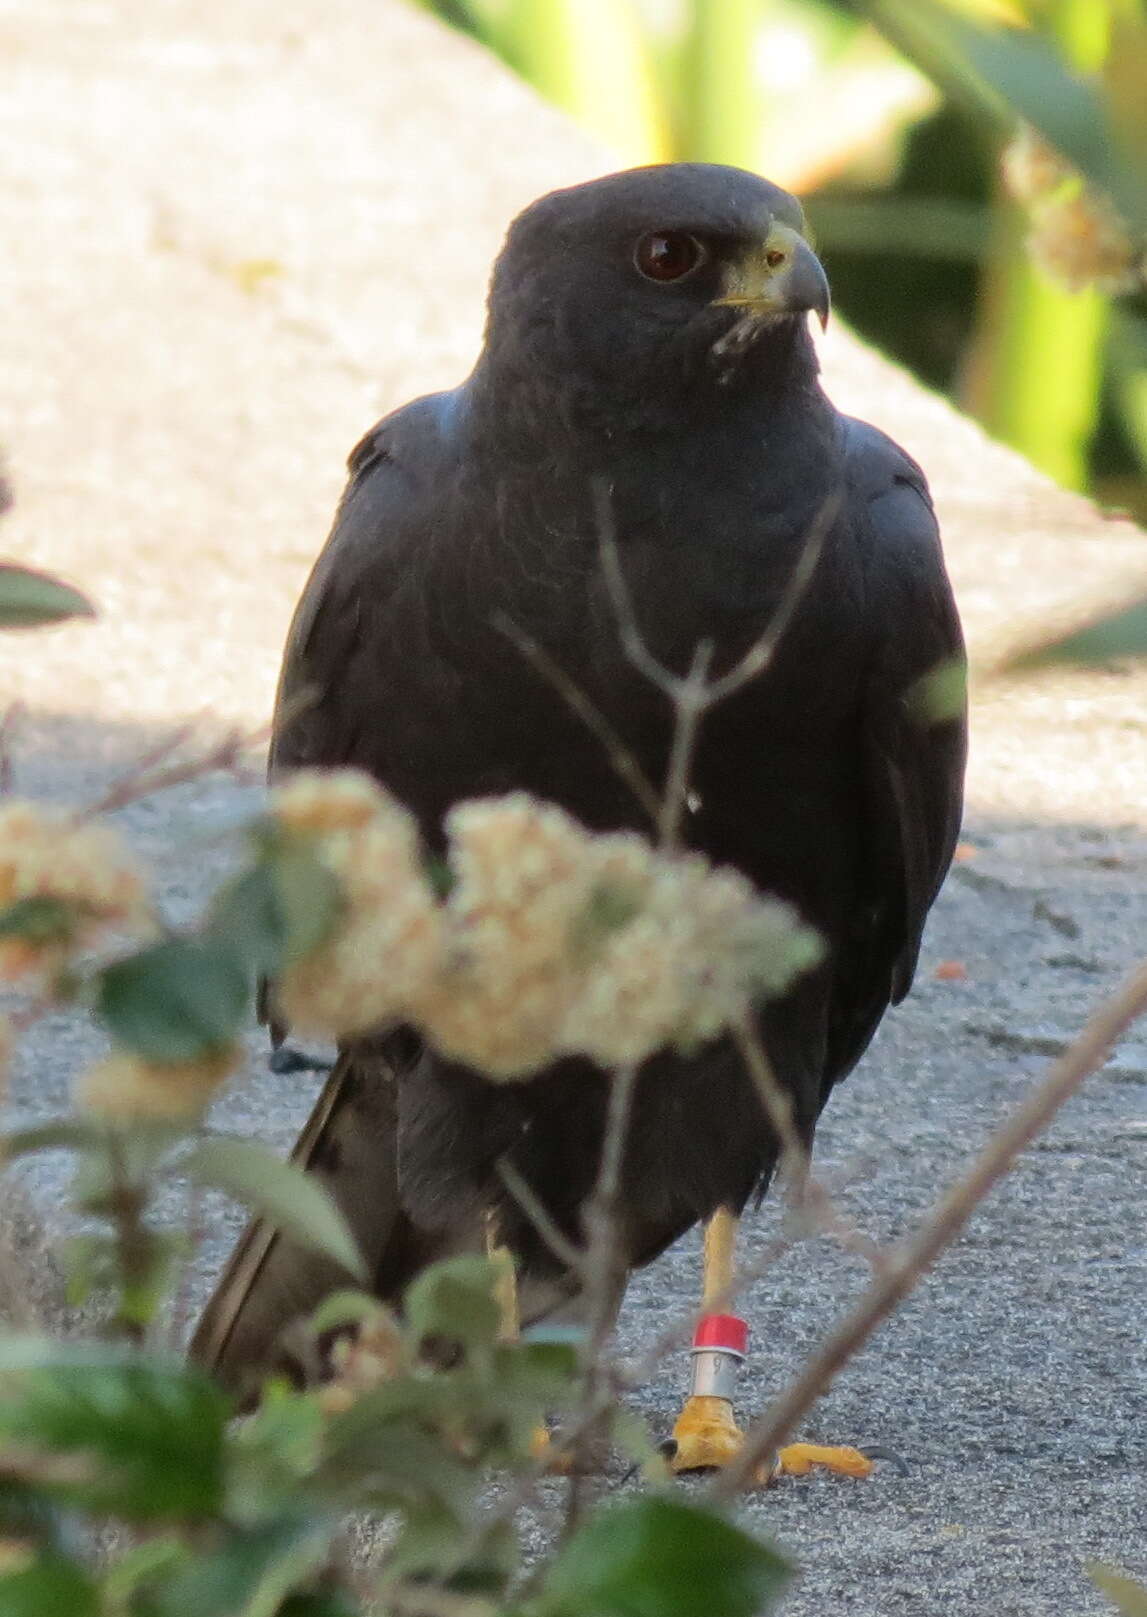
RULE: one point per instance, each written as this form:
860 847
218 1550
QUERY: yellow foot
798 1459
545 1447
706 1437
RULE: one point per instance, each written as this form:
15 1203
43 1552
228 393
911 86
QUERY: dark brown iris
668 255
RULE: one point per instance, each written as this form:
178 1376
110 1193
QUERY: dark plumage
705 420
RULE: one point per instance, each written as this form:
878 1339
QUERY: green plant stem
133 1243
723 112
1033 370
1034 367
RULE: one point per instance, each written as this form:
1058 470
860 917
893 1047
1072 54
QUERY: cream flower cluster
1077 236
387 941
85 868
126 1088
550 942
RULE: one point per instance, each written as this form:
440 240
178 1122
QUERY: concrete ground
235 233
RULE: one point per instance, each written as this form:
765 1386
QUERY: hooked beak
781 275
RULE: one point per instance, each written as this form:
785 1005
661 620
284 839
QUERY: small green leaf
343 1308
28 599
1129 1597
282 1192
278 911
284 1434
176 1001
132 1569
455 1299
1117 635
661 1557
140 1438
439 876
387 1451
65 1134
308 897
942 694
50 1587
330 1603
251 1573
245 920
428 1543
40 920
1016 72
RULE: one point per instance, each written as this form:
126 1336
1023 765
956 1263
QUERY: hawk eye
668 255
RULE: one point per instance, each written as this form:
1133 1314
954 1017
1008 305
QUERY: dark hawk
647 336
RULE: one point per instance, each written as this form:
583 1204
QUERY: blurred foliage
890 117
29 599
127 1486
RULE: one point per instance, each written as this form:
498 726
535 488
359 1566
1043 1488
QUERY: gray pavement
235 233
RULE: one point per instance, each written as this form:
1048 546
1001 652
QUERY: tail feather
349 1144
270 1284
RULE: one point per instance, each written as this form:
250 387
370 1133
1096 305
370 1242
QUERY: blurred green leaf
456 1300
29 1517
330 1603
661 1557
914 227
1130 1597
66 1134
104 1427
429 1542
592 58
1125 76
629 1433
142 1564
942 694
724 112
284 1432
39 919
344 1308
1111 638
387 1451
176 1001
279 911
290 1199
251 1573
50 1587
28 599
1016 72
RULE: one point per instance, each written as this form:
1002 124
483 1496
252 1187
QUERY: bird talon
798 1459
705 1436
873 1451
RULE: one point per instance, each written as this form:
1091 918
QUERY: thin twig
761 653
691 701
808 1193
903 1269
776 1104
184 1292
595 721
564 1250
147 778
632 642
603 1267
601 1210
13 715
